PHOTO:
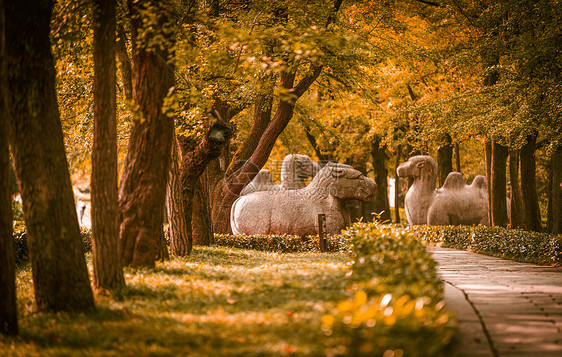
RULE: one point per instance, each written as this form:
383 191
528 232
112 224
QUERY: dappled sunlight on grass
218 301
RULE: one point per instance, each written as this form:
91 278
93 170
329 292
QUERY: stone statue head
264 177
344 182
419 167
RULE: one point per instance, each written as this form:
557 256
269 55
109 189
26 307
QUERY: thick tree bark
457 153
488 162
143 183
397 187
178 220
517 213
201 216
60 276
444 159
378 155
529 185
555 193
108 273
8 305
498 181
162 253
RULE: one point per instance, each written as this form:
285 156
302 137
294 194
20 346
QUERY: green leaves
281 243
519 245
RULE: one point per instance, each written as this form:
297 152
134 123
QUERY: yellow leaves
346 306
396 295
360 298
328 321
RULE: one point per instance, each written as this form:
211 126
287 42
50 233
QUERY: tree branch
431 3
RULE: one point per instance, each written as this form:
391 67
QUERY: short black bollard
321 230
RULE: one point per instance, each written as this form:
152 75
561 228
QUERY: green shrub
519 245
281 243
397 300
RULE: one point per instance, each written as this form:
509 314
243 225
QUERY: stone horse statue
296 211
453 204
262 182
295 169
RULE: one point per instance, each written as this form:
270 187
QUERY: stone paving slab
504 308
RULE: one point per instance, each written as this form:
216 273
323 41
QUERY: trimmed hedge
397 304
281 243
515 244
20 242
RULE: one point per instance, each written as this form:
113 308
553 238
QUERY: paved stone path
504 308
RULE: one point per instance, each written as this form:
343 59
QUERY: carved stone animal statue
296 168
453 204
262 182
296 211
82 198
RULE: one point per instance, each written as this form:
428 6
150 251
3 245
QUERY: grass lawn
219 301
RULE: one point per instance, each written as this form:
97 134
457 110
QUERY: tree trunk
60 276
202 226
517 213
260 122
488 159
378 155
444 159
162 253
223 197
8 305
194 160
143 184
498 181
108 273
397 187
457 157
201 216
125 64
555 193
178 220
529 186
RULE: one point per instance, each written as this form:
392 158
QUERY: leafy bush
281 243
398 298
20 241
524 246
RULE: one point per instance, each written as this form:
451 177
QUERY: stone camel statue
296 211
453 204
262 182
